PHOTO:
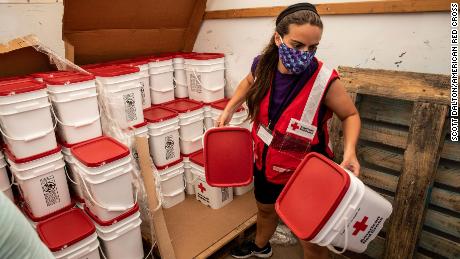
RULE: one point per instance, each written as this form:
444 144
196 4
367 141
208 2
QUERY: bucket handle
68 176
199 82
75 125
192 140
110 208
332 248
30 138
162 90
177 83
80 253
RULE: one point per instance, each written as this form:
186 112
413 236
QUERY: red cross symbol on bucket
360 226
295 126
201 187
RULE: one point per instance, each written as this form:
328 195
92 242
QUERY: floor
283 252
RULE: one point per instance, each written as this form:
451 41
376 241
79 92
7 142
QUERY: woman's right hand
224 118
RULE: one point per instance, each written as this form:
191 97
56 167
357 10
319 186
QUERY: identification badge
265 134
301 129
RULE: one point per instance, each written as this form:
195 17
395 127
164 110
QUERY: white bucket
239 118
76 108
243 189
161 73
360 207
208 122
123 93
75 181
350 216
107 183
35 220
205 77
25 119
121 238
172 184
180 77
191 131
43 183
77 238
191 115
189 178
144 80
164 137
213 197
139 130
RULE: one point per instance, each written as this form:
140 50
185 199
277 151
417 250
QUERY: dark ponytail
269 58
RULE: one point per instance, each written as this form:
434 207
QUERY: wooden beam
409 86
159 224
370 7
421 158
195 23
439 245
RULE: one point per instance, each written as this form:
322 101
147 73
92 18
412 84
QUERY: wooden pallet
406 155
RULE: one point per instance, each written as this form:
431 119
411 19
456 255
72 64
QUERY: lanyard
284 103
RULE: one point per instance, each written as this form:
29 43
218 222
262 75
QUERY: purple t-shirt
284 85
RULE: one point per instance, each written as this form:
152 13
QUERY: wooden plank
439 245
451 151
448 172
443 222
378 179
336 131
371 7
229 237
159 224
420 163
407 86
446 199
384 134
385 110
194 25
376 247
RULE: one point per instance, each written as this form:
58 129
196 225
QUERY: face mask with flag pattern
296 61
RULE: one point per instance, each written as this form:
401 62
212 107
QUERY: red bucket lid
51 74
99 151
16 160
31 216
113 70
311 195
69 79
229 158
158 114
197 158
206 56
19 86
65 229
140 125
183 105
112 221
221 104
170 164
6 80
158 58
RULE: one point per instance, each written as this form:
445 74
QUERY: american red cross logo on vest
295 126
202 188
360 226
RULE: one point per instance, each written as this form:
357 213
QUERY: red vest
296 130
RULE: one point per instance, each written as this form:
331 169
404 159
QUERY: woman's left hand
351 163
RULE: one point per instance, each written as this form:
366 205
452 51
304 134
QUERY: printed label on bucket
142 92
195 85
201 193
169 147
49 189
130 107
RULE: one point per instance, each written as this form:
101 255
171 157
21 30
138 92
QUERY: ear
277 39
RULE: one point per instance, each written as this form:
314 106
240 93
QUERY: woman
291 97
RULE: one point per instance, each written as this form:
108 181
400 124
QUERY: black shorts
265 192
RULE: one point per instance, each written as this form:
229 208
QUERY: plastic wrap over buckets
329 206
228 157
123 93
